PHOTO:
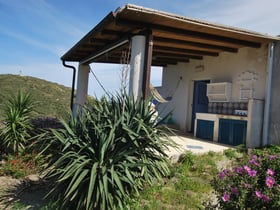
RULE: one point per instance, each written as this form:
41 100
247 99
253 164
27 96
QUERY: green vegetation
17 126
187 187
53 100
15 136
105 154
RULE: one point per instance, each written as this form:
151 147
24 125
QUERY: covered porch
189 51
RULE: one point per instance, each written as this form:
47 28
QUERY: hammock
157 95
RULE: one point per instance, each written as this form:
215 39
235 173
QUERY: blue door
232 132
200 100
205 129
225 131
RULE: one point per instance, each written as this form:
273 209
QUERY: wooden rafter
183 50
188 33
195 44
178 55
175 38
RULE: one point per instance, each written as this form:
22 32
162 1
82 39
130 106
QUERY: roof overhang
175 38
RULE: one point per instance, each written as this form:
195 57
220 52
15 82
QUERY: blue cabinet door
239 131
224 131
205 129
232 132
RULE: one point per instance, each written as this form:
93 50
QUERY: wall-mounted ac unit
219 92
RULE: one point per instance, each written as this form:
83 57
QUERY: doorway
200 99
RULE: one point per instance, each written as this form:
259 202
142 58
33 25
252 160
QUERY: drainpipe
73 82
268 95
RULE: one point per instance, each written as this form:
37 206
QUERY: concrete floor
190 143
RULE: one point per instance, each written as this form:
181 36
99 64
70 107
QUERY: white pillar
137 66
82 84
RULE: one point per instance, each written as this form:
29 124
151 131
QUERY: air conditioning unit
219 92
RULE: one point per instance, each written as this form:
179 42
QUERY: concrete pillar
274 109
147 65
137 66
82 84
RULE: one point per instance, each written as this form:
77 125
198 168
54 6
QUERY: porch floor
187 142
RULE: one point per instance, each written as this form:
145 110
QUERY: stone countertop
214 117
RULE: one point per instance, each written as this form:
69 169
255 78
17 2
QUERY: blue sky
34 34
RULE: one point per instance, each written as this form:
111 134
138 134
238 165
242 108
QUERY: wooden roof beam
186 51
164 59
177 55
195 44
185 32
163 63
111 32
99 41
118 33
108 48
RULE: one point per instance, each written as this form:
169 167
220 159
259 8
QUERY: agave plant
104 154
17 126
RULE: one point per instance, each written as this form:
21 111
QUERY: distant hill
52 99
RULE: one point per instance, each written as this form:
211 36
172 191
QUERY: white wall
227 67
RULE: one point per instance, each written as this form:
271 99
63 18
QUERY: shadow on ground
26 193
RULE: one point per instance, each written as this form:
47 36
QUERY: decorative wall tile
226 107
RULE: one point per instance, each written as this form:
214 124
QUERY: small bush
17 126
254 183
230 153
104 154
188 159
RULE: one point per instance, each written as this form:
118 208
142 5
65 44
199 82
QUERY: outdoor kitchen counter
215 118
210 116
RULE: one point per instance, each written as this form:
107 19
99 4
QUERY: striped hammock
157 95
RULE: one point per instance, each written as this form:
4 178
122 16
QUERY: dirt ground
29 192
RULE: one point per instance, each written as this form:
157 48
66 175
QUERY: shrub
104 154
252 184
17 126
188 159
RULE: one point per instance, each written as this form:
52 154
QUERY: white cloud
34 20
258 15
54 49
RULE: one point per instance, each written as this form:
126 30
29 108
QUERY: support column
137 66
82 85
273 127
147 64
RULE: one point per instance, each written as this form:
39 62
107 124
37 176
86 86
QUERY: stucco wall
227 67
274 115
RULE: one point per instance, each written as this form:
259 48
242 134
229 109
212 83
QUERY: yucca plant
104 154
17 126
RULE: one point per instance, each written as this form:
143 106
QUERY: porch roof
175 38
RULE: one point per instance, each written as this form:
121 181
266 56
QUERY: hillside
52 99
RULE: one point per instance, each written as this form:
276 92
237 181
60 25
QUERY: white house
223 80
